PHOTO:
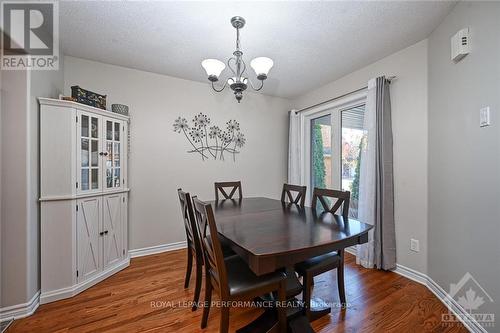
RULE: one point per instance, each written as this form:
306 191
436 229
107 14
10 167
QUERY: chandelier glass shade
238 80
213 67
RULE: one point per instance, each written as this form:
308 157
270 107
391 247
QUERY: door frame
334 108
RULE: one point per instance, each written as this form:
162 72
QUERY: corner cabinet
83 197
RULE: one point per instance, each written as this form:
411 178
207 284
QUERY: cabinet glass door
89 161
113 152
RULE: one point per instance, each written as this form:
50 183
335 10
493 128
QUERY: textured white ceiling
311 43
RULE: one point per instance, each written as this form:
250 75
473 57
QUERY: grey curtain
376 188
384 232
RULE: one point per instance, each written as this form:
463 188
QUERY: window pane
85 179
109 164
85 152
109 178
117 131
116 157
94 127
321 152
109 157
352 140
85 126
117 177
94 153
95 179
109 130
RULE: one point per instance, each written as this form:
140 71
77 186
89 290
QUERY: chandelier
238 81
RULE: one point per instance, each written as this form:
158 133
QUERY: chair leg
208 301
307 286
224 319
282 308
197 289
340 283
312 280
189 268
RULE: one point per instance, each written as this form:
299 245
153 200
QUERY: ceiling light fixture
238 82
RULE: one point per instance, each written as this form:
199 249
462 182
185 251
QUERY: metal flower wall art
211 141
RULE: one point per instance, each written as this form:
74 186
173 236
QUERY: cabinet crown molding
82 107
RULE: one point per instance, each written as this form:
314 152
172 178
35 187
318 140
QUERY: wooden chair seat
242 280
319 264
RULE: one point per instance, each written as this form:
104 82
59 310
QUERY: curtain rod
389 78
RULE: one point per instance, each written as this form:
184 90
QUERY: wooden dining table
270 235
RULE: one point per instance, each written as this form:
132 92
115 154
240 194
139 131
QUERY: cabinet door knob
101 233
105 232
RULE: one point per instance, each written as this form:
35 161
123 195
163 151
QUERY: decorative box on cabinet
83 196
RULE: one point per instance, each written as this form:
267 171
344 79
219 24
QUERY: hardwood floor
148 296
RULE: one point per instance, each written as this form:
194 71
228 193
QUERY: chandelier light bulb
262 66
234 79
213 67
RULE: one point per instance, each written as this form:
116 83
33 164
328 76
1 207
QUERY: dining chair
194 250
310 268
300 197
221 186
231 277
323 195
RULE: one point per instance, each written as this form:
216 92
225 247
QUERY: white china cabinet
83 196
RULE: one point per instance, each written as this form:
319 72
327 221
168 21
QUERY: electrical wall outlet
414 245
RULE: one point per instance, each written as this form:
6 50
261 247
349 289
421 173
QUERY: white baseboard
352 250
56 295
411 274
20 310
470 323
146 251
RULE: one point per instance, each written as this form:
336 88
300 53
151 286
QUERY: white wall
464 159
409 118
19 215
159 163
14 252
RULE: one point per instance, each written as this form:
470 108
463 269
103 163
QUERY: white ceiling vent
460 45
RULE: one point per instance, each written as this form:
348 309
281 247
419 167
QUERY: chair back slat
300 196
192 233
215 267
221 186
343 199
